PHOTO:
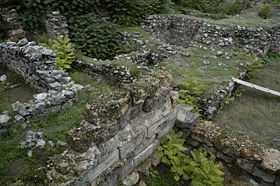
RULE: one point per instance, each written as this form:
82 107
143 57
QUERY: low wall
36 64
258 163
275 45
183 30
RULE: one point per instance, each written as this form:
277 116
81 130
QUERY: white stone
132 179
271 160
4 118
3 78
41 96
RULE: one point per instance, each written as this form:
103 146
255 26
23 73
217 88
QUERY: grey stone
271 160
264 175
4 118
3 78
132 179
220 53
41 96
185 117
145 153
22 42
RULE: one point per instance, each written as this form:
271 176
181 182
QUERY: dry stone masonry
56 25
259 163
36 64
183 30
14 28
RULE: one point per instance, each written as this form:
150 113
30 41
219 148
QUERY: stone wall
118 134
260 164
56 25
12 26
183 30
211 104
275 45
36 64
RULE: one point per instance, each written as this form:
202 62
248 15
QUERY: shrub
232 8
199 168
96 37
215 6
265 11
65 54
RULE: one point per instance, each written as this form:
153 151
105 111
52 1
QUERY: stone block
145 153
271 160
185 117
93 173
264 175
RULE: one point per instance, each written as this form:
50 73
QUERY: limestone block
145 153
166 126
93 173
271 160
185 117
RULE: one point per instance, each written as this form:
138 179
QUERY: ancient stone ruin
101 122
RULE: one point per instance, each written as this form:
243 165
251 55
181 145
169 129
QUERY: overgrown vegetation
55 126
96 37
65 54
265 11
199 168
215 6
190 94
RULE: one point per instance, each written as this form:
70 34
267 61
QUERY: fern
198 168
64 52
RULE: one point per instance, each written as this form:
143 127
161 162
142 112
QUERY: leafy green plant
65 54
190 94
265 11
156 178
199 168
205 171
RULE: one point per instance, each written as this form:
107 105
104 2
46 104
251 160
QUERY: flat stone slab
271 160
4 118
